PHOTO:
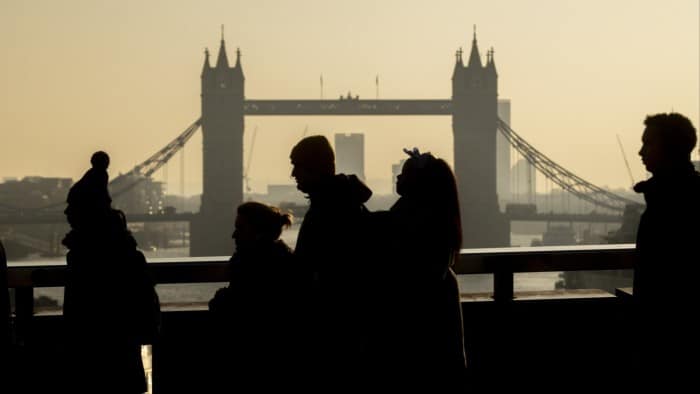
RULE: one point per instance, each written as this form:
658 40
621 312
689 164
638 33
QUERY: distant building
34 191
278 194
182 203
350 154
147 196
503 157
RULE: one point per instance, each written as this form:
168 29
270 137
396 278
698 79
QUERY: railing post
503 285
24 310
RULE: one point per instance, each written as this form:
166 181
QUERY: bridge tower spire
474 58
222 60
238 68
206 67
223 92
474 125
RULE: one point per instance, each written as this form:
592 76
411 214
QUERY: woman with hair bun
258 314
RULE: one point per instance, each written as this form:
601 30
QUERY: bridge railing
507 337
502 263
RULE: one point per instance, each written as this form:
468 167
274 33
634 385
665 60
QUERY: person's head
258 223
88 200
100 160
431 181
312 160
667 141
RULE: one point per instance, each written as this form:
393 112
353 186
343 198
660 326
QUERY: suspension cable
564 178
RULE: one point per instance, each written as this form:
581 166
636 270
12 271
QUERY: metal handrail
471 261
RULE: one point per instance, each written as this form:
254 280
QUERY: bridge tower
222 157
474 124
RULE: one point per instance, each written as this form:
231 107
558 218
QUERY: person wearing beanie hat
103 319
90 193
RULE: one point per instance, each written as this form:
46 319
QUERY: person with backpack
110 305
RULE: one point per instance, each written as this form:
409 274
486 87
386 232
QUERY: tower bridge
473 108
475 124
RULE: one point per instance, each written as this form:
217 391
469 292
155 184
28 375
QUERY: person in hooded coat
331 245
106 289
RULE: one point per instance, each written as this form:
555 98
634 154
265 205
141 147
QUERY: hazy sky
124 76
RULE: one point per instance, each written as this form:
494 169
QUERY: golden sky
123 76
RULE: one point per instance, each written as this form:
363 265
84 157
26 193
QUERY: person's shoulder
642 186
695 180
280 249
138 255
352 188
694 191
378 218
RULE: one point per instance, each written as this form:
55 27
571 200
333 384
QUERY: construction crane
250 160
125 182
624 157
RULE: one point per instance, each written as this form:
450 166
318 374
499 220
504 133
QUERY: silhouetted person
8 358
330 244
257 315
666 293
106 291
420 340
4 302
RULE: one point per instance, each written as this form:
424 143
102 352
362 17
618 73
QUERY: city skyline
80 77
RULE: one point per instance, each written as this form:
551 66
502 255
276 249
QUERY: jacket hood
348 189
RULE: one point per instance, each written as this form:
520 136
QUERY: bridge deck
347 107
